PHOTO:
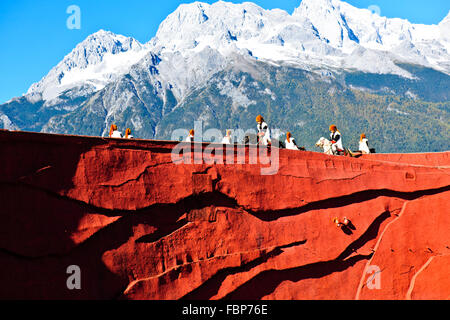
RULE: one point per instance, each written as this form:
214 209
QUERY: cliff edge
141 226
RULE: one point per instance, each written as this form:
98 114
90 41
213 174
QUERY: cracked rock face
142 227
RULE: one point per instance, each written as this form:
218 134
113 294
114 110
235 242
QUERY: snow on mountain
96 61
391 40
320 33
444 28
330 22
244 28
6 123
199 39
446 19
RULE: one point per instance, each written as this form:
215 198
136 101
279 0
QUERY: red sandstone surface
142 227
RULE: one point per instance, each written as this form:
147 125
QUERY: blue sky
34 36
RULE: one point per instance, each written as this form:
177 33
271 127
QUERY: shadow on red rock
211 286
342 201
267 281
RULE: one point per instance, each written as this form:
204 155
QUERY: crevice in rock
168 214
134 179
342 201
266 215
414 277
265 255
210 287
380 238
370 234
267 281
273 278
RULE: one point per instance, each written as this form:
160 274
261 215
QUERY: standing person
227 139
190 137
336 140
114 133
263 131
290 142
128 134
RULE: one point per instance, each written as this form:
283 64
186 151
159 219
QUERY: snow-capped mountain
320 33
223 62
6 123
98 60
198 37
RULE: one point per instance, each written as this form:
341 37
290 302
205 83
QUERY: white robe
290 145
338 143
363 146
116 134
263 127
190 139
226 140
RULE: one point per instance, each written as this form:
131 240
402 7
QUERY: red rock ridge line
141 227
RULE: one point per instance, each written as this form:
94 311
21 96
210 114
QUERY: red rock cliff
142 227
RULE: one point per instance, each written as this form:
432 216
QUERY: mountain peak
90 53
102 32
96 46
197 25
311 4
328 33
446 19
108 38
329 19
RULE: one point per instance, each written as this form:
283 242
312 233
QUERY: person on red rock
336 140
114 133
227 139
339 224
345 221
263 131
364 144
290 142
128 134
190 137
363 147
